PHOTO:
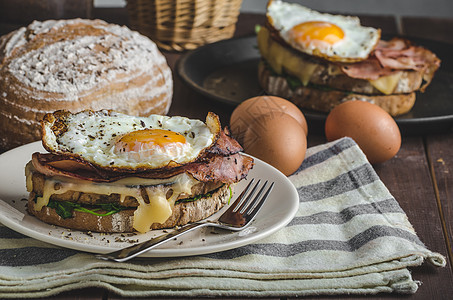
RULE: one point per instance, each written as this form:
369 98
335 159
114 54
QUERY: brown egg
278 140
372 128
252 108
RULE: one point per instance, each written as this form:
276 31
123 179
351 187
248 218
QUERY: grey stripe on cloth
349 181
29 256
327 217
325 154
284 250
349 236
6 233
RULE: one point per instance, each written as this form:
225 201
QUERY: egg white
92 137
357 44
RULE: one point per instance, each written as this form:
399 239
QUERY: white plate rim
10 217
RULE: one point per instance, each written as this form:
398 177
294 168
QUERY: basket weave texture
179 25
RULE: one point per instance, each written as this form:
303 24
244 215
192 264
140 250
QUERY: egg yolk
150 140
317 33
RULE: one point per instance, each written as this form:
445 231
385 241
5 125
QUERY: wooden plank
438 147
407 178
440 154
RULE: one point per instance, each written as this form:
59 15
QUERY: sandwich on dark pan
319 60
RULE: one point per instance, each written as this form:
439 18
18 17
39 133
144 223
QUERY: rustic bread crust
326 100
77 65
183 213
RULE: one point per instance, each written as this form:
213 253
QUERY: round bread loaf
76 65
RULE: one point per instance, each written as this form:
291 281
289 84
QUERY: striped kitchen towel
349 236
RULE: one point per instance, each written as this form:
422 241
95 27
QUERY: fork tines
250 202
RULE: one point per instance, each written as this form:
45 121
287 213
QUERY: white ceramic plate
278 211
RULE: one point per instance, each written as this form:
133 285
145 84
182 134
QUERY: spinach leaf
65 208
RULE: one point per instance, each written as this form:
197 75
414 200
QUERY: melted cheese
387 84
281 58
155 209
28 178
158 210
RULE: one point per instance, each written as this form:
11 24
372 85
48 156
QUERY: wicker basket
184 24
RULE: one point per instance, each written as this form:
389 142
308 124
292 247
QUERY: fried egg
332 37
113 140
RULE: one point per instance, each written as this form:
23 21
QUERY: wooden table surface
420 177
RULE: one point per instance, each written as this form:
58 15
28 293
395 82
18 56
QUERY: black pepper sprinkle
142 123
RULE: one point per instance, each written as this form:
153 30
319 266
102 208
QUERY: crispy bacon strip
225 145
221 162
68 166
226 169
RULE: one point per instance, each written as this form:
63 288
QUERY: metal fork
237 217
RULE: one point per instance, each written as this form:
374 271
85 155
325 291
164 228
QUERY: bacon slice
68 166
225 145
222 162
226 169
392 56
369 69
401 54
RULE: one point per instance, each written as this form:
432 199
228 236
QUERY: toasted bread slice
326 99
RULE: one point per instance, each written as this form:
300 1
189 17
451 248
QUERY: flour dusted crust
76 65
326 100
